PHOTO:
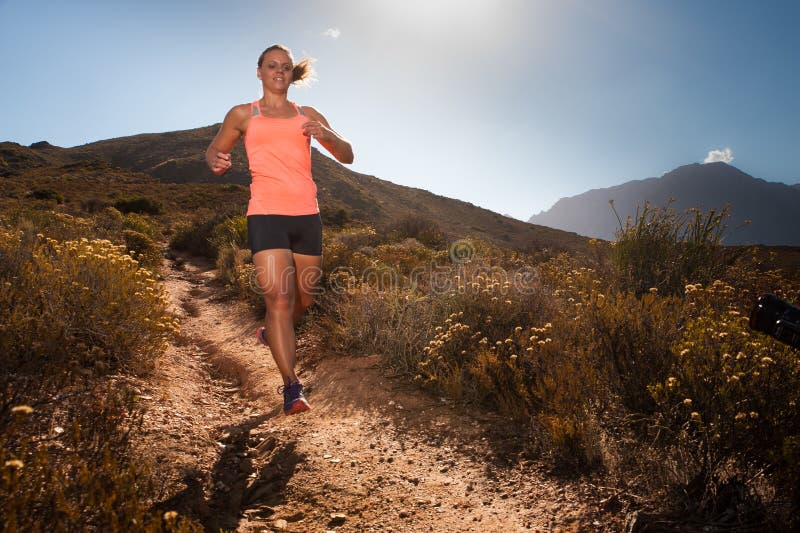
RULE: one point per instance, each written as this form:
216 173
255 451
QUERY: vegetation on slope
631 360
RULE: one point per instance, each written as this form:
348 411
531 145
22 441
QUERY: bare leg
308 270
275 274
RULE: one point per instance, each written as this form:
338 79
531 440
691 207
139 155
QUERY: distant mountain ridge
773 209
179 157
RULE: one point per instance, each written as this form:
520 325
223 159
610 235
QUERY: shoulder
312 113
237 118
240 111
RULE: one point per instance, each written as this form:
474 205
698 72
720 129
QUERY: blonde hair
302 72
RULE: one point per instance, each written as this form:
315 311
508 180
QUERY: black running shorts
301 234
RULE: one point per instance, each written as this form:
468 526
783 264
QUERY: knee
277 302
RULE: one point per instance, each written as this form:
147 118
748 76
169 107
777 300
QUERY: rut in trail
373 454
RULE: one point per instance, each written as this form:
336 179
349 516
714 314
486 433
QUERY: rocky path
374 454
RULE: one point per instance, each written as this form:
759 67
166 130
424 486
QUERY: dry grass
648 377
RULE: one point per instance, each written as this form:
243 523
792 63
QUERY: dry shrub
661 249
59 226
47 194
71 314
730 402
84 305
141 204
646 372
349 249
404 257
67 466
360 318
631 340
420 229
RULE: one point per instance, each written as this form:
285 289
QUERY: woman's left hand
319 128
316 129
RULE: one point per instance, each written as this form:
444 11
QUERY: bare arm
218 153
334 143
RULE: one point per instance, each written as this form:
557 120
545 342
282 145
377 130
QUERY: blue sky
508 104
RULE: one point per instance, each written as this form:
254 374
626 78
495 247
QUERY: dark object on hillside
777 318
140 205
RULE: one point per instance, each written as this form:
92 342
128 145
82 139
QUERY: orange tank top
280 165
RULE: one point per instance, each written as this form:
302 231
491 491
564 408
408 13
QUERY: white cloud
725 155
333 33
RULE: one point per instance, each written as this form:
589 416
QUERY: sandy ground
373 454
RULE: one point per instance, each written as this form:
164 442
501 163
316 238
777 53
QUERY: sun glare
440 15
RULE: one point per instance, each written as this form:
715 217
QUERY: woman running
284 229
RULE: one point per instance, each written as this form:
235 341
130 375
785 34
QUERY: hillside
178 157
770 207
474 398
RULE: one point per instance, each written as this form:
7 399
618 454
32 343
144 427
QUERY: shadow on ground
249 477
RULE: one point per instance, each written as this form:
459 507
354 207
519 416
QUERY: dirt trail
374 454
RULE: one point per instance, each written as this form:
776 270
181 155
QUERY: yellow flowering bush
57 225
80 305
732 395
642 366
75 316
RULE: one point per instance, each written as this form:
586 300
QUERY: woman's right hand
220 163
218 153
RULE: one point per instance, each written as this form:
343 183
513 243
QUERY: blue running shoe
261 335
293 399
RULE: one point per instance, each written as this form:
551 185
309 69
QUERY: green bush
142 224
195 236
108 223
336 218
230 232
141 204
147 252
47 194
232 263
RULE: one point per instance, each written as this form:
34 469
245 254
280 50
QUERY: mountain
178 157
772 208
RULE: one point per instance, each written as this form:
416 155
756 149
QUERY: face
276 70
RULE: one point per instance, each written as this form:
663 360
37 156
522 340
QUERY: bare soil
374 453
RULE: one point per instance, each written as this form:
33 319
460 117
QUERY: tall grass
666 250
